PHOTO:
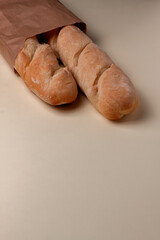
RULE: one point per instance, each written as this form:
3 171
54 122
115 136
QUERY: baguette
106 86
39 68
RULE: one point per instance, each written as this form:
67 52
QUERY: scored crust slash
83 63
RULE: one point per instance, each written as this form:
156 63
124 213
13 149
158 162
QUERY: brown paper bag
20 19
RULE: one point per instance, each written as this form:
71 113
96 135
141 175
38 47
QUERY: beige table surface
69 174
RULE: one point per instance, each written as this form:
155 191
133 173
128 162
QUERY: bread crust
105 85
38 66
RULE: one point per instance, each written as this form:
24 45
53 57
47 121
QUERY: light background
67 173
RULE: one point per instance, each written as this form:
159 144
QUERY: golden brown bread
105 85
39 68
